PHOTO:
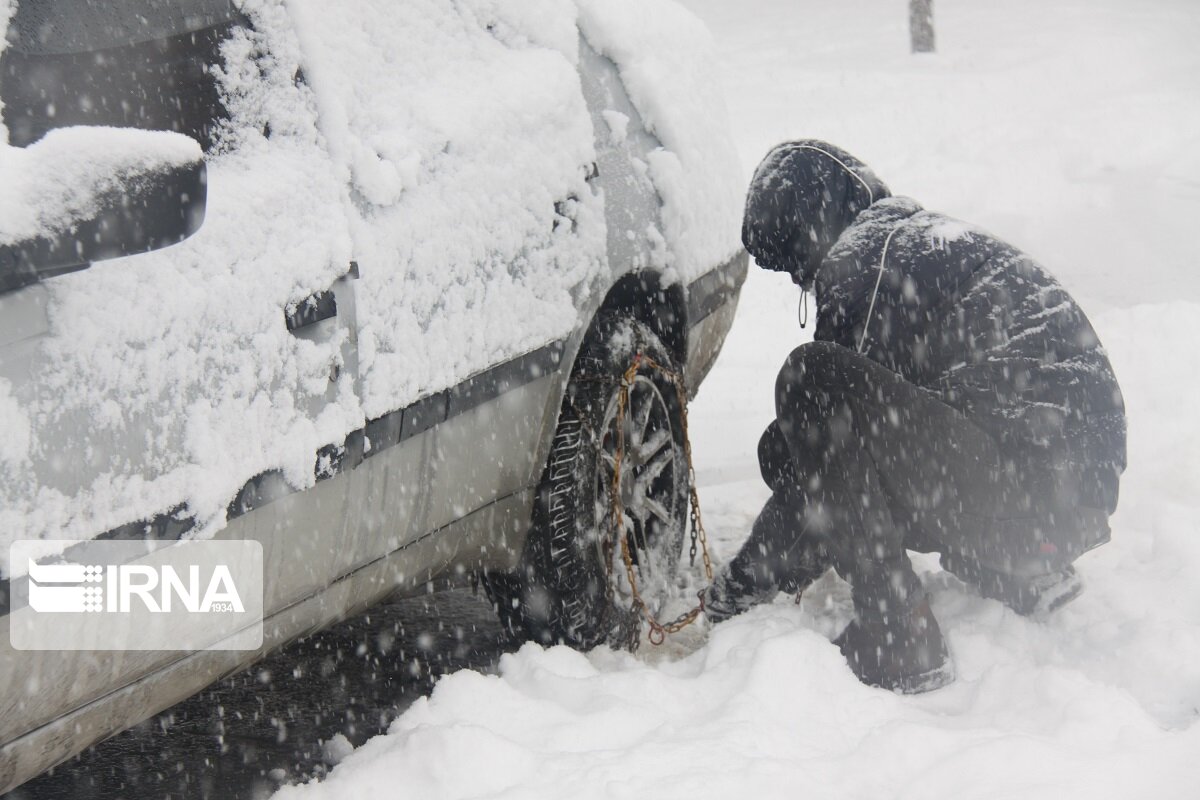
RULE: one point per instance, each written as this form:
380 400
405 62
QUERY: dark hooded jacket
961 314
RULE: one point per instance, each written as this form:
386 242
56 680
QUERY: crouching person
955 399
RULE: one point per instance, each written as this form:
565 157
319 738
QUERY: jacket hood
801 198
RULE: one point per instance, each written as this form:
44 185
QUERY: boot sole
930 681
1025 597
1057 596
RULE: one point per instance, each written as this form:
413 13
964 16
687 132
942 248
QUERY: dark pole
920 25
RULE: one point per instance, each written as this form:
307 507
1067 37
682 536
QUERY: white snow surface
429 142
1068 129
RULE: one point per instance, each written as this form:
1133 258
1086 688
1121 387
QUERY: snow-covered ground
1071 129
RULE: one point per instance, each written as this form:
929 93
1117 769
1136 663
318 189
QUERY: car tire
564 591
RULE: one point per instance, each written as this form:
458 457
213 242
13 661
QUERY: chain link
658 630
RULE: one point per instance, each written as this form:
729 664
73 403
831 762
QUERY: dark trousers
865 465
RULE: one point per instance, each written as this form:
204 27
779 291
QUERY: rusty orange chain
658 630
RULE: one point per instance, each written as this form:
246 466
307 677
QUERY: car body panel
631 207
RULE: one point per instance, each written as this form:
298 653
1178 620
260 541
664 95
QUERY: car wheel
573 585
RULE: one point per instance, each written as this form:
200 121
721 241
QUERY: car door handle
311 310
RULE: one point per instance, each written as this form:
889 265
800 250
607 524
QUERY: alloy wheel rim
650 503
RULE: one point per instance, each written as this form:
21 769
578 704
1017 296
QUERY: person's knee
811 387
775 459
813 368
812 359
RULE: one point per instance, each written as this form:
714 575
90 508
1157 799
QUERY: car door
468 145
160 384
172 393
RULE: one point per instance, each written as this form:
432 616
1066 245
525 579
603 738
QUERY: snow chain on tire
564 590
658 630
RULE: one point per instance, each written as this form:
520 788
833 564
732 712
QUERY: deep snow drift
1070 131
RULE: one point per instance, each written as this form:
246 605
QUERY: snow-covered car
379 326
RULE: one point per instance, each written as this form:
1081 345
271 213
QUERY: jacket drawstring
878 279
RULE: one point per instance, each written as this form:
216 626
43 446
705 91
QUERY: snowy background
1071 129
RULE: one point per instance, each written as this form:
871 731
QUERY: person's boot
902 652
1035 596
1030 595
779 555
725 598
